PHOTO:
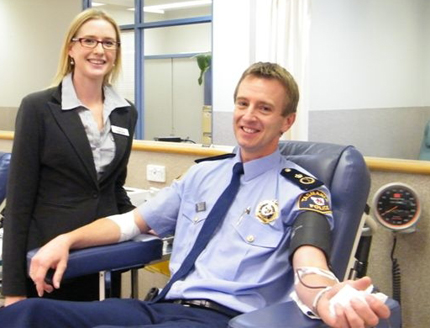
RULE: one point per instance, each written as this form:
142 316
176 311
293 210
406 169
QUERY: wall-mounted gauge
397 206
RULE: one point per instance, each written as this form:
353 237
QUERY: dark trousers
46 313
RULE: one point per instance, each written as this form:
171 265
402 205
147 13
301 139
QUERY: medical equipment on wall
397 207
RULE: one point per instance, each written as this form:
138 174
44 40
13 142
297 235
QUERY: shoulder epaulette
304 181
215 158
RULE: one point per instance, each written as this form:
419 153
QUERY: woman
70 153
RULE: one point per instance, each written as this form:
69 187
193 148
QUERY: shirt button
196 219
250 238
95 194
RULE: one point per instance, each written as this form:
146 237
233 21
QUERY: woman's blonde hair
65 67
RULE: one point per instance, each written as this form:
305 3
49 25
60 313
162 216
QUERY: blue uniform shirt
245 266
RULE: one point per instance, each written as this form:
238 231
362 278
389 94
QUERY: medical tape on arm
127 226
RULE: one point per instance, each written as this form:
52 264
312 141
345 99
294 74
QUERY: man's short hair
273 71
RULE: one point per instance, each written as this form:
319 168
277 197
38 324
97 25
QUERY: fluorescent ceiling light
159 9
97 4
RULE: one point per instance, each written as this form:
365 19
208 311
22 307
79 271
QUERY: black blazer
53 186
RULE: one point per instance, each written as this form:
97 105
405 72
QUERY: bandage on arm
127 226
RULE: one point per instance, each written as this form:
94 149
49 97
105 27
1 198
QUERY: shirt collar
259 166
69 99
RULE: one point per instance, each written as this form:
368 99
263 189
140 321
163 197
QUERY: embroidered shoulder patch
304 181
315 200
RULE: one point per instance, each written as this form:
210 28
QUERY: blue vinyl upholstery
344 172
126 255
4 169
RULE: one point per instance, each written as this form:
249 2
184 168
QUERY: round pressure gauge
396 206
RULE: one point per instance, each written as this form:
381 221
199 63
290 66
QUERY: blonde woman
69 159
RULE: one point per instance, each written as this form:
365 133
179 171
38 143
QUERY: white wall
426 68
364 53
369 75
31 33
231 53
368 54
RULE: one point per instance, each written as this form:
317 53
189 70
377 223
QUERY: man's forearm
310 284
103 231
100 232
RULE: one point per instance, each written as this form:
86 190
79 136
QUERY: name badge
201 207
120 130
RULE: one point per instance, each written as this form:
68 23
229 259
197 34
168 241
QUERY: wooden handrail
397 165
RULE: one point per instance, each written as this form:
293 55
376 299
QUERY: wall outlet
156 173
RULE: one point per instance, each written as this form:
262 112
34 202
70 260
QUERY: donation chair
343 170
4 170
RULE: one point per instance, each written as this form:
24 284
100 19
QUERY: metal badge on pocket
267 211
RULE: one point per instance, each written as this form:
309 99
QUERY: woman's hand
53 255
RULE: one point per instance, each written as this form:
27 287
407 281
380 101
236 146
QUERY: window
160 72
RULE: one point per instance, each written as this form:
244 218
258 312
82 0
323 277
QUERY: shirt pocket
188 228
254 243
192 216
257 234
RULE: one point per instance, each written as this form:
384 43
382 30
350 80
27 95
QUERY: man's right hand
53 255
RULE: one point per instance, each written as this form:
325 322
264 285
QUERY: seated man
256 256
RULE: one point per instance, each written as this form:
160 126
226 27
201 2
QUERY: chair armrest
285 315
288 315
395 319
137 252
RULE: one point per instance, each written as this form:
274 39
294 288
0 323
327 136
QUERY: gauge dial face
396 206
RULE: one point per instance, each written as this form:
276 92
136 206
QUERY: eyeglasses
92 43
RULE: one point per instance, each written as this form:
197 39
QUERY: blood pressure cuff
311 229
